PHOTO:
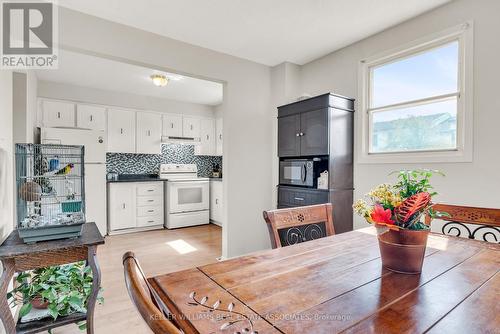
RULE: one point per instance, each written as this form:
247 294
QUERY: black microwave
302 172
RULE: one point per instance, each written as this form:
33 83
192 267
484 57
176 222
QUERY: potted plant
396 211
62 290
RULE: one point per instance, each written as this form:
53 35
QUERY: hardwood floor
159 252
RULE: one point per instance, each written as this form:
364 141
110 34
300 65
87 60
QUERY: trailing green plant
65 288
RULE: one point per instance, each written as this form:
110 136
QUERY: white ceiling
265 31
95 72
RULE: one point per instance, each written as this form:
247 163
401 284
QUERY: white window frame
462 33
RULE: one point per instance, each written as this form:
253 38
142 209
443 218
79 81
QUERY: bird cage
50 191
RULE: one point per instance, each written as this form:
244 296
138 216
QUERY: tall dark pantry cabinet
319 132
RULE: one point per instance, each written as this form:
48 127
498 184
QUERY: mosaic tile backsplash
128 163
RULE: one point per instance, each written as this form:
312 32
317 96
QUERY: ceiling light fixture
159 80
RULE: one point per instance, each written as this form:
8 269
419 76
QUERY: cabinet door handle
216 201
91 118
208 137
121 130
302 134
298 199
151 221
151 200
124 206
149 133
191 126
297 135
171 125
151 210
150 190
220 136
58 114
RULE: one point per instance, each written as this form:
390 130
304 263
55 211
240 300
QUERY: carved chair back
143 297
296 225
485 221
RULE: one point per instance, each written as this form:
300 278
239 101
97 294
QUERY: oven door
296 173
188 196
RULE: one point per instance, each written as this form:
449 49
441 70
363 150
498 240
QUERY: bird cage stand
50 191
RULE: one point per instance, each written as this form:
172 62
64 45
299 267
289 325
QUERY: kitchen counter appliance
187 201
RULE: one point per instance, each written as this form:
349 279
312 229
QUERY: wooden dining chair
143 298
295 225
485 222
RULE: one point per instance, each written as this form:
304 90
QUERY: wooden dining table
337 284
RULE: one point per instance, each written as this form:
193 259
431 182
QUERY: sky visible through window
427 126
432 73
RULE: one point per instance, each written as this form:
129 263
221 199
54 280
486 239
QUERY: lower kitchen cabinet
135 206
294 196
216 206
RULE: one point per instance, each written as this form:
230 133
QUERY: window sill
415 157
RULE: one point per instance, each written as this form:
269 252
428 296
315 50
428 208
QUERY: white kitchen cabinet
134 206
218 137
216 202
148 133
172 126
121 131
57 114
191 127
207 138
121 206
90 117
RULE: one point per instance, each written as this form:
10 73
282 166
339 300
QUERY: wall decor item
50 191
128 163
396 211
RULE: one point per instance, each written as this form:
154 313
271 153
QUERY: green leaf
25 309
53 311
82 326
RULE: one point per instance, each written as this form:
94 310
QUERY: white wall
476 183
285 88
63 91
24 106
247 130
6 156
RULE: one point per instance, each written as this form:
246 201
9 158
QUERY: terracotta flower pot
39 304
402 251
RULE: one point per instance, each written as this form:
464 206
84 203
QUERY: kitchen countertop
136 178
146 178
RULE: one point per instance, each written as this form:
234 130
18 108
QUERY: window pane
432 73
426 127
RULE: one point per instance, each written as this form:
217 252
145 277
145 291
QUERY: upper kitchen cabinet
289 136
191 127
218 137
57 114
121 131
314 132
90 117
172 126
148 133
305 129
207 138
303 134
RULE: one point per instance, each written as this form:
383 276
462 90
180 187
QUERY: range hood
180 140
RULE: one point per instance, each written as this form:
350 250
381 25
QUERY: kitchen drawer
149 221
290 196
146 211
149 201
150 189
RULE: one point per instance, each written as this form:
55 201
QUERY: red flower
381 216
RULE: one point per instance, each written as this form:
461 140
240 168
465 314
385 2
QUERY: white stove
187 201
